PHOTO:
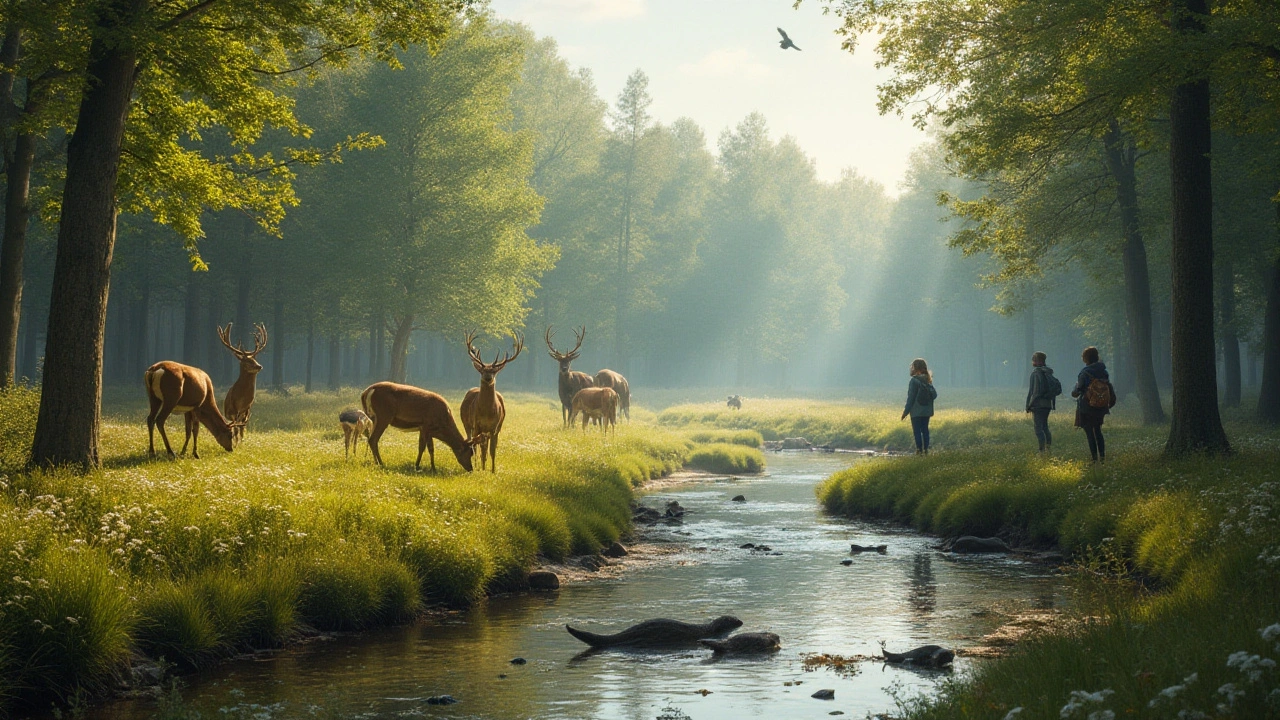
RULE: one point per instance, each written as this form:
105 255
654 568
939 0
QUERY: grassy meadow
191 560
1179 559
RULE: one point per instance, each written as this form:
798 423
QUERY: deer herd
174 387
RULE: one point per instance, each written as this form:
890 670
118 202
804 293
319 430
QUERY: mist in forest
492 187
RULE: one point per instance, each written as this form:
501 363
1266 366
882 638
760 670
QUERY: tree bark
277 349
30 339
191 321
1122 163
1226 288
17 213
400 347
1269 392
69 421
1196 426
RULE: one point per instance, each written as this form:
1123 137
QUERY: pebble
739 498
836 712
846 562
441 700
824 694
518 661
502 676
747 546
615 550
704 692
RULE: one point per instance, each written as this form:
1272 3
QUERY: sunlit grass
194 559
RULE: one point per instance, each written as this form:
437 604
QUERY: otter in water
745 643
930 656
868 548
659 632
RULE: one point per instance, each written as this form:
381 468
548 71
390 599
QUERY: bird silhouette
786 41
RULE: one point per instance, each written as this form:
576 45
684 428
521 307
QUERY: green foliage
726 458
19 406
748 438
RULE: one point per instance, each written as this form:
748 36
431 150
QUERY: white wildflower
1102 715
1080 698
1231 693
1191 715
1251 665
1013 713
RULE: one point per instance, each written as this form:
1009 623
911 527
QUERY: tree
187 66
630 123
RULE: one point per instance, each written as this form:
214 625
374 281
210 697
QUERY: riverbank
193 560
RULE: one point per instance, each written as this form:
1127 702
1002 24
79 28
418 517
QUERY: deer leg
195 434
186 433
493 452
425 444
151 426
160 418
346 441
379 427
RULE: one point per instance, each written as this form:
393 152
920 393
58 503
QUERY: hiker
1042 399
920 397
1095 398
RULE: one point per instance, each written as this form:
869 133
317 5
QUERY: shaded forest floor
192 560
1179 560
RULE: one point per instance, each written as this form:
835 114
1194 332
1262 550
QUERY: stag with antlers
174 387
239 400
405 407
571 381
483 410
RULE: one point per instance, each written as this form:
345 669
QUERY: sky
716 61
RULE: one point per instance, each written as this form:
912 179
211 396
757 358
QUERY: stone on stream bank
739 498
824 695
544 580
615 550
971 544
441 700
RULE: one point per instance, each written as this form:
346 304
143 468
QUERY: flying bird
786 41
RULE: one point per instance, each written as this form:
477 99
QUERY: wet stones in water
855 548
971 544
615 550
674 510
591 562
836 712
747 546
441 700
544 580
824 694
518 661
645 515
739 498
928 656
846 562
749 643
659 632
796 443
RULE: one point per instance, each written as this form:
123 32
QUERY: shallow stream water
910 596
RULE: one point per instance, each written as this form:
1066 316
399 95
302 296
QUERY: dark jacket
916 386
1095 371
1037 394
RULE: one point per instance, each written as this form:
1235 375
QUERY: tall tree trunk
191 321
30 341
311 353
277 350
1122 163
335 362
1226 289
377 326
400 347
17 211
1196 425
1269 392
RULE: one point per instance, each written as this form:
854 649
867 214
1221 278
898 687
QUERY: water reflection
804 595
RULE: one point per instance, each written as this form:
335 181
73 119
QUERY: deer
354 424
406 407
596 403
174 387
610 379
735 402
239 398
571 381
483 409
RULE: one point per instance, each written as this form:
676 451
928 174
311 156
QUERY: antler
551 348
580 334
517 343
496 365
224 334
476 360
259 339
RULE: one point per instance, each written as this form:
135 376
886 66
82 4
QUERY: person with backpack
1095 398
920 397
1042 398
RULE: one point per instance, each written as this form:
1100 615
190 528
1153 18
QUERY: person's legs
1091 434
917 430
924 433
1102 444
1040 417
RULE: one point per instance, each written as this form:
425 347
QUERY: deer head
465 452
489 371
248 363
565 359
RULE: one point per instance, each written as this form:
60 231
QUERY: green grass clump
726 458
195 559
749 438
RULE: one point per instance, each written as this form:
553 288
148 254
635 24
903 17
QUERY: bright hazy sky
718 60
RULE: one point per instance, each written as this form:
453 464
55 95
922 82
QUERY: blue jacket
1095 371
1039 386
917 385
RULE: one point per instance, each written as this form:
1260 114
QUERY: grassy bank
192 559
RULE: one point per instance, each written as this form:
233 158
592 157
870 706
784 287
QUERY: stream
909 596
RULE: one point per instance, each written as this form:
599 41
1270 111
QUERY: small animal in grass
928 656
735 402
745 644
354 425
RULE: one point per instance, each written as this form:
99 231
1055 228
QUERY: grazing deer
611 379
735 402
571 381
482 409
239 398
354 424
405 407
174 387
596 404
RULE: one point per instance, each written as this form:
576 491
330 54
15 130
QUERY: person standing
920 397
1094 399
1042 398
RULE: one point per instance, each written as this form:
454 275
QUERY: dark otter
659 632
745 643
931 656
868 548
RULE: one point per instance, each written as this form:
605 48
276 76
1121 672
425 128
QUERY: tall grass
193 559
